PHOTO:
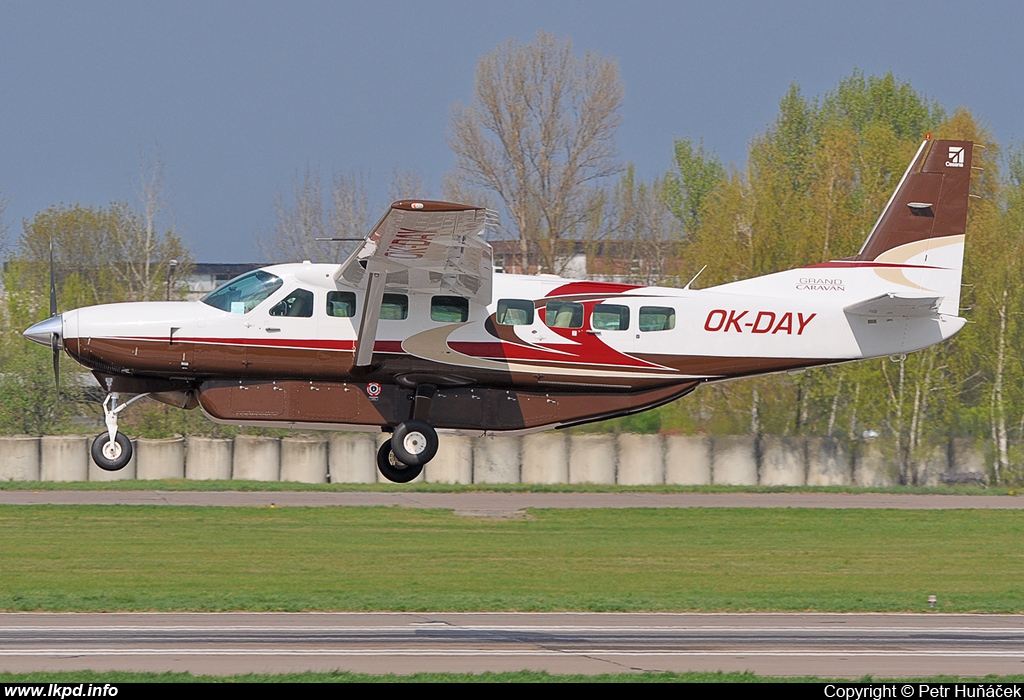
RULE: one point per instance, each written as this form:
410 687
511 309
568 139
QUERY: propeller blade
53 285
55 347
54 338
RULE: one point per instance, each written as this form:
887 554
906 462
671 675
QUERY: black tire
392 469
414 443
117 457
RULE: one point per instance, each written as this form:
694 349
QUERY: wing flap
896 306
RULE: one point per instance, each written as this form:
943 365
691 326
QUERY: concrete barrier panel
161 459
453 463
64 457
734 460
874 465
208 459
546 458
496 460
968 456
782 461
256 458
829 462
304 459
352 458
687 459
641 460
381 438
19 458
932 462
592 459
129 471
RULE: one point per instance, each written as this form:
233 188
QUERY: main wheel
111 456
414 442
394 470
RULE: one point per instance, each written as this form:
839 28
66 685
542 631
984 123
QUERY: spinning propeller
49 332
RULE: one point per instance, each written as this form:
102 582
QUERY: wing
419 247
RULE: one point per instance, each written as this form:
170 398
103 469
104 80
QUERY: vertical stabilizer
918 241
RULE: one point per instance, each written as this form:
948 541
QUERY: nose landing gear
112 450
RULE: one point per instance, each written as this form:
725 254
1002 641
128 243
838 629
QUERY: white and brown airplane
415 331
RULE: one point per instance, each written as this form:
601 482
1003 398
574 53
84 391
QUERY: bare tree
408 184
539 133
341 212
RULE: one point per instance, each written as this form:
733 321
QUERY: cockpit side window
298 304
244 293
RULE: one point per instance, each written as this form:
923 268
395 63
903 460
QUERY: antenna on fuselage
695 277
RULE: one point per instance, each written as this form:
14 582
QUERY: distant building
206 277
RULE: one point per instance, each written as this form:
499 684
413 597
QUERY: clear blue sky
240 96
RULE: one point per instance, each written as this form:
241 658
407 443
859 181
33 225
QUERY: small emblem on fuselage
373 390
956 157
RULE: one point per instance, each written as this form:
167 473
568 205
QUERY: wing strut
371 314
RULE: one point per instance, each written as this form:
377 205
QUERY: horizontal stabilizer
896 306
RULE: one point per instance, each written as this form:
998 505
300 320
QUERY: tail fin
919 238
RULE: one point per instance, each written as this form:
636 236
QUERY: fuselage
541 336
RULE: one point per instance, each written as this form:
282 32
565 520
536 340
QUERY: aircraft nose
43 331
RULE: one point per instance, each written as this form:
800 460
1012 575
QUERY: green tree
695 174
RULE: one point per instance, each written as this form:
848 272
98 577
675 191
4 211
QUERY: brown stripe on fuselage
158 358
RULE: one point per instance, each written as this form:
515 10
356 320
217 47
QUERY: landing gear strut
112 450
413 443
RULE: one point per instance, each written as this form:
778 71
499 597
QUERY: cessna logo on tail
956 157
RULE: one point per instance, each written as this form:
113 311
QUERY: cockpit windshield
244 293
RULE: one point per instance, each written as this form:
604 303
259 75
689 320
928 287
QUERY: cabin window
449 309
657 318
515 312
564 314
394 307
298 304
244 293
341 304
610 317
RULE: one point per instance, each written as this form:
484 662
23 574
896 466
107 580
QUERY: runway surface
498 503
826 645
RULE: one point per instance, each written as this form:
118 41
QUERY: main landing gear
112 450
413 443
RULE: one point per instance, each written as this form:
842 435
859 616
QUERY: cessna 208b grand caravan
415 331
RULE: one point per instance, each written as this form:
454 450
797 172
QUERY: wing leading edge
419 247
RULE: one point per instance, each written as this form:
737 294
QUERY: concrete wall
256 458
208 459
19 458
551 457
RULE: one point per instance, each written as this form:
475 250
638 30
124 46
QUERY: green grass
157 558
185 485
115 677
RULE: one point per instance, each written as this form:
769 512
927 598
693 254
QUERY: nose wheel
112 455
412 445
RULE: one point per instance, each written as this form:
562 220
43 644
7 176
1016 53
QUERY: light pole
171 264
